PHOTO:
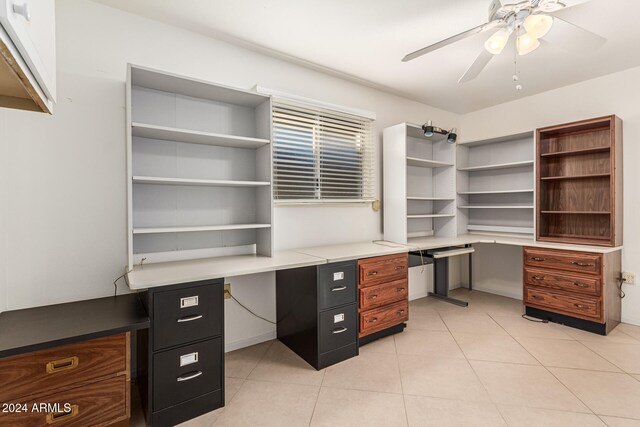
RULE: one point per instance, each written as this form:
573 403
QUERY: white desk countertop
171 273
175 272
349 251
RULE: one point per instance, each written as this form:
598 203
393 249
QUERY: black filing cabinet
181 356
317 312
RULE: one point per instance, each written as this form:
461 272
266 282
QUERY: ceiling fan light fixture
527 43
551 6
538 25
496 43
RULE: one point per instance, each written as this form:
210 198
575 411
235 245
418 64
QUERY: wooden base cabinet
382 296
181 355
580 289
81 384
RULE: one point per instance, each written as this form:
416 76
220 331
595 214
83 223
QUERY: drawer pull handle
190 318
536 258
196 374
62 364
399 289
400 312
583 264
372 273
338 288
537 297
581 285
399 267
374 296
538 277
339 330
372 320
582 306
54 417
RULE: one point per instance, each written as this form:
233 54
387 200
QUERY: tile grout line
404 401
484 387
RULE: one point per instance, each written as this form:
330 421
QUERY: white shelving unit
495 182
418 184
199 169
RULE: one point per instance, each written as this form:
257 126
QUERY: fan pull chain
515 76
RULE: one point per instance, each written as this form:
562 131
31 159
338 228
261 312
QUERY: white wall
66 198
613 94
4 185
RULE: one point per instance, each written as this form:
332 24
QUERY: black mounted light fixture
429 130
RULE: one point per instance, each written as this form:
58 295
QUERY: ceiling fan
529 21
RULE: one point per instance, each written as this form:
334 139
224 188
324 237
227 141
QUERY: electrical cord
115 282
245 307
530 319
620 291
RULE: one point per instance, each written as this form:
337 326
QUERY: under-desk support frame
441 278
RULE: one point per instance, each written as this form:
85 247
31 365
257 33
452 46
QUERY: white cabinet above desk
28 55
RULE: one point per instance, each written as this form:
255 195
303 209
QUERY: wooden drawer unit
91 376
578 262
97 404
62 367
382 269
573 305
383 296
561 281
386 293
579 289
381 318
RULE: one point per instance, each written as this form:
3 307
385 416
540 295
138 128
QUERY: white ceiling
366 40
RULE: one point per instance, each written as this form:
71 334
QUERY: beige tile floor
478 366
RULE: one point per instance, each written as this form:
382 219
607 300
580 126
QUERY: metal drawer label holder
189 301
188 359
338 276
337 318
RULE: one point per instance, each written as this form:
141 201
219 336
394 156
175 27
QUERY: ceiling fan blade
476 68
572 37
450 40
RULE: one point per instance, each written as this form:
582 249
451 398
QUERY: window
321 155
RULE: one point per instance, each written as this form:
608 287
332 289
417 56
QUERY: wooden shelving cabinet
579 182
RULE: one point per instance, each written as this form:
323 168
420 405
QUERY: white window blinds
321 155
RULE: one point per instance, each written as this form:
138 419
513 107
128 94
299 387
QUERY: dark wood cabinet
580 289
579 182
317 312
383 296
181 355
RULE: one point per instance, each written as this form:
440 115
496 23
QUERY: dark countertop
32 329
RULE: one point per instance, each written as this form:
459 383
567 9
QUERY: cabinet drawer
337 284
185 315
338 327
99 403
60 367
582 262
187 372
545 278
577 306
377 270
377 295
381 318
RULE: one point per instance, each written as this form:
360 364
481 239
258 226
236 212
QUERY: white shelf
197 182
143 130
426 163
430 216
499 229
495 192
494 207
498 166
161 230
435 199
